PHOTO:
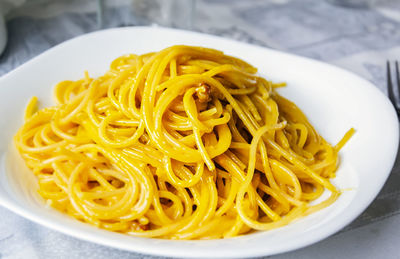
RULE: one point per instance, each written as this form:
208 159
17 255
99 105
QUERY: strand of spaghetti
30 108
301 166
345 138
122 143
191 110
250 171
185 183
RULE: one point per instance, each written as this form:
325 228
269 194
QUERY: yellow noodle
184 143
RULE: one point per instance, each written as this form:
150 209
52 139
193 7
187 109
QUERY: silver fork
392 86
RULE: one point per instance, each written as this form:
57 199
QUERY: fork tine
397 76
390 85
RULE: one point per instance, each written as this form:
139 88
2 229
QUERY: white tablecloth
360 40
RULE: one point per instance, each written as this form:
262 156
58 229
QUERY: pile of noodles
184 143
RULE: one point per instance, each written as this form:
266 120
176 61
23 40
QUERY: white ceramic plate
333 99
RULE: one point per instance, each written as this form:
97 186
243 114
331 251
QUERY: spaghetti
185 143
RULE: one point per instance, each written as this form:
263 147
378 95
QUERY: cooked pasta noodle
184 143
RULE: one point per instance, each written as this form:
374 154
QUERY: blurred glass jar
3 34
169 13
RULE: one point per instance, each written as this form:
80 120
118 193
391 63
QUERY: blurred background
358 35
324 29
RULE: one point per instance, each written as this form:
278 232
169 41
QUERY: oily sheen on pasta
184 143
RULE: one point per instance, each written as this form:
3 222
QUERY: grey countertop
357 39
